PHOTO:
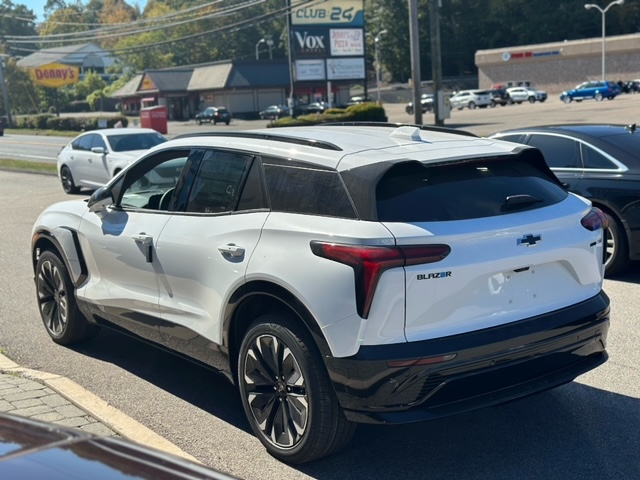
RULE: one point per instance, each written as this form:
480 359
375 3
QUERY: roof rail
396 125
309 142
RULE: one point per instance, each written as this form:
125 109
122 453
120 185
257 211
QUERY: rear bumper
490 367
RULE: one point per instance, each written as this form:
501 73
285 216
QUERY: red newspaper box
154 117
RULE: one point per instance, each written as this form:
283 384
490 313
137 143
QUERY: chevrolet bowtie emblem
530 240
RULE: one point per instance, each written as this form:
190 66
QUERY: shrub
363 112
71 124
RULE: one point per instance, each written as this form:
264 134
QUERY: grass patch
42 133
27 166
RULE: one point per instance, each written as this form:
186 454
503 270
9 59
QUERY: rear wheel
286 392
66 178
617 254
567 99
471 105
493 103
532 99
63 320
598 97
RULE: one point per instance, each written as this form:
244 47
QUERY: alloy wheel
52 298
276 391
611 246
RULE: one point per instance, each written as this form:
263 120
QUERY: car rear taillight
369 262
595 219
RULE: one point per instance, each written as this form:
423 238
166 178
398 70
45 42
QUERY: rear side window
559 152
307 190
412 192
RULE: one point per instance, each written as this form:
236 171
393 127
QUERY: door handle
143 238
231 249
146 241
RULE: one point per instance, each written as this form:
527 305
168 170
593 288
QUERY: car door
98 171
562 154
204 251
78 159
119 244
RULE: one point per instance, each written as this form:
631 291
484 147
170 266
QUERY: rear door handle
231 249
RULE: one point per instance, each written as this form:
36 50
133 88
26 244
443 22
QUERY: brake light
370 262
595 219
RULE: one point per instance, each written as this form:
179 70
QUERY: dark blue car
596 90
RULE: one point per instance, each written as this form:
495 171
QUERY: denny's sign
55 75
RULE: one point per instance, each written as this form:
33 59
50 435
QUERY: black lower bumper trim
491 366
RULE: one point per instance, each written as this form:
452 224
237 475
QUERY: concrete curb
110 416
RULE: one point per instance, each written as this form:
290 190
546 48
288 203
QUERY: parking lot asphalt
53 398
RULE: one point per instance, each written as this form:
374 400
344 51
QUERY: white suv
470 99
338 273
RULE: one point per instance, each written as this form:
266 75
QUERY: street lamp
375 43
589 6
269 43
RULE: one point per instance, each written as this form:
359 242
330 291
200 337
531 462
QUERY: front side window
559 152
84 142
152 183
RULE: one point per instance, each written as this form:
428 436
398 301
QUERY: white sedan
94 157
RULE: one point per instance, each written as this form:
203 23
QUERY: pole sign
343 13
55 75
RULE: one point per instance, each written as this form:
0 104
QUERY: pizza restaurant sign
55 75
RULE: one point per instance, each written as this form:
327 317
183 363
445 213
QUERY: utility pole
415 61
436 58
5 93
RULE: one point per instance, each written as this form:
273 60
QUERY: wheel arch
65 243
257 298
608 209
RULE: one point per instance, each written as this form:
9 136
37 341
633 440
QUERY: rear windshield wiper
522 200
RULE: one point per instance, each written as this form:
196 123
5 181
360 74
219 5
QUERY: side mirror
100 150
100 200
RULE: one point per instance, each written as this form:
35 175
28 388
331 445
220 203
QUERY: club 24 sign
55 75
344 13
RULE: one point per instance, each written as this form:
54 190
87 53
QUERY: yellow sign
55 75
147 84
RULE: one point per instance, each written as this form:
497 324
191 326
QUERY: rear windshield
412 192
135 141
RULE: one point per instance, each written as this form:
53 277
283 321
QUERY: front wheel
471 105
532 99
199 122
286 392
617 254
598 97
567 99
493 103
63 320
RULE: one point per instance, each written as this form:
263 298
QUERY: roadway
481 121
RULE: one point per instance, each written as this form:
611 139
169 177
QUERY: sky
38 5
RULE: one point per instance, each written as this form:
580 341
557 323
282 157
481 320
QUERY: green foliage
69 124
363 112
91 83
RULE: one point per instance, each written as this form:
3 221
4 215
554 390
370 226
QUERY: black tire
567 99
493 104
471 105
297 416
62 319
510 101
68 185
227 122
532 99
598 97
198 121
543 100
617 254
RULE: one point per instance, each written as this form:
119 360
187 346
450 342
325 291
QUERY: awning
148 99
